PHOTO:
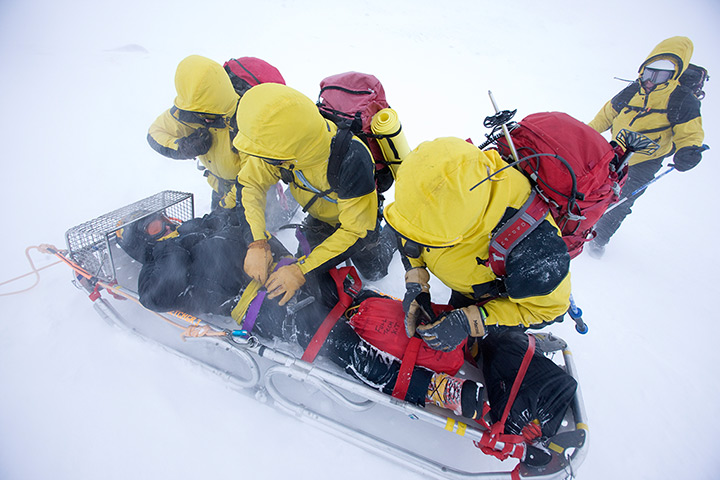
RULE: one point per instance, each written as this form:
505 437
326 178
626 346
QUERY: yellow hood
278 122
434 204
203 86
678 50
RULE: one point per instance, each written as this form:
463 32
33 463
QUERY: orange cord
193 330
35 271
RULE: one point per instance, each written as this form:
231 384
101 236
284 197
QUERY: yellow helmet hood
678 50
278 122
203 86
434 204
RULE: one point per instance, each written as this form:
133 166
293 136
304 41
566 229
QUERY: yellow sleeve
165 132
604 118
357 216
531 310
255 179
688 134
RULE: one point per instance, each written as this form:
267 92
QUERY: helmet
141 231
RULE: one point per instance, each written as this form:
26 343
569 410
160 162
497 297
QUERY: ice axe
634 142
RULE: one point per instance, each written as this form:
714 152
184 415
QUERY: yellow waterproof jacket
669 114
202 87
279 124
435 207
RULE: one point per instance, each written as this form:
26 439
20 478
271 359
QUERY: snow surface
81 82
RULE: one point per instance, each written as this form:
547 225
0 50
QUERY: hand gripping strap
339 275
515 230
254 307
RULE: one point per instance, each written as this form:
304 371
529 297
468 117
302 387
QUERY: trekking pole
576 314
643 187
505 130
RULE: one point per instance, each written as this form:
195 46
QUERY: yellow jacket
669 114
203 87
435 206
280 124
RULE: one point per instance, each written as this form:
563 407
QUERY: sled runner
319 392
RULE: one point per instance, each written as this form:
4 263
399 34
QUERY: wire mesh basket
90 243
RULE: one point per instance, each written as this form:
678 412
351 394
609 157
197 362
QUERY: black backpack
694 78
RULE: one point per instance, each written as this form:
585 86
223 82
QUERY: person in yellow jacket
446 226
286 137
657 106
201 123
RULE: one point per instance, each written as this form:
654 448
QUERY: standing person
446 226
286 137
201 123
658 106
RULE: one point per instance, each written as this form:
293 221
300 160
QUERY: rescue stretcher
430 440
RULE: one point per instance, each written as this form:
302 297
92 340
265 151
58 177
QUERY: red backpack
246 72
574 171
354 98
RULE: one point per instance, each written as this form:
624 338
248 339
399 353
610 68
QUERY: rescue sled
430 440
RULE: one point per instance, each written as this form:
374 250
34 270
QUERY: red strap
339 275
520 225
518 379
406 368
495 432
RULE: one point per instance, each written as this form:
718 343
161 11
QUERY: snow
82 81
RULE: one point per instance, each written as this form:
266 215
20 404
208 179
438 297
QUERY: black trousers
638 175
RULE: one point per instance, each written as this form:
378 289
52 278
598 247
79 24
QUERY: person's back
658 106
446 213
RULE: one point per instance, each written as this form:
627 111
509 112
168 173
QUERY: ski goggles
656 77
157 226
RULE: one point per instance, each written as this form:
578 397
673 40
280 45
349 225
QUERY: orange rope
193 330
35 271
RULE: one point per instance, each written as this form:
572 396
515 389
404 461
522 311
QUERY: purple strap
256 303
303 242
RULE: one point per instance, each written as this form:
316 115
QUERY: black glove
452 327
197 143
687 158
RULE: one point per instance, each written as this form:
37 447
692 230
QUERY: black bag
545 393
694 78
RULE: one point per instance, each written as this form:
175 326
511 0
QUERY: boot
463 397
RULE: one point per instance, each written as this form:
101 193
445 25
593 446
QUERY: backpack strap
519 226
344 301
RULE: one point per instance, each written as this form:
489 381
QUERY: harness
519 226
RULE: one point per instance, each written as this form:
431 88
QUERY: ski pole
576 314
505 130
640 189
